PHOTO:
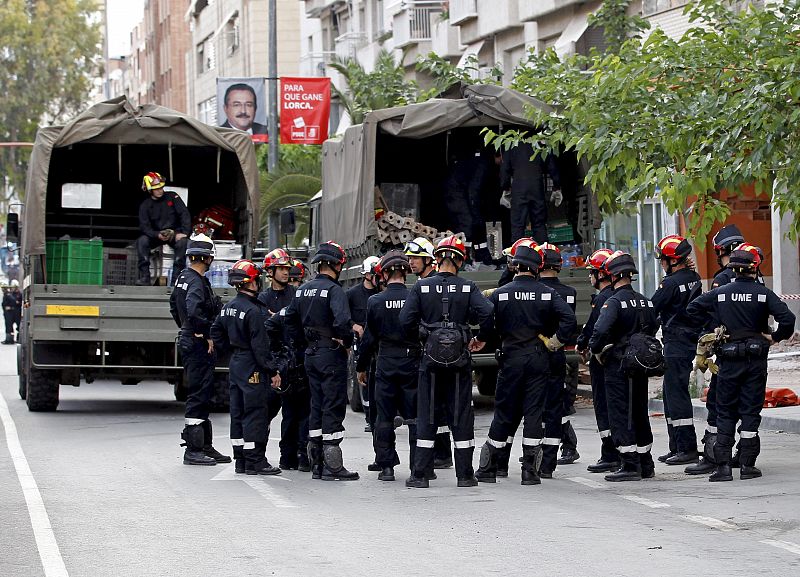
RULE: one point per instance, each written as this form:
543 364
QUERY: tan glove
489 292
168 234
700 362
712 366
602 354
552 343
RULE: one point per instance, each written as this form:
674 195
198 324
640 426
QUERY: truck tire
43 387
353 388
23 381
486 380
221 399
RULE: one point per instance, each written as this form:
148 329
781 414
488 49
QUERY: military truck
398 161
81 323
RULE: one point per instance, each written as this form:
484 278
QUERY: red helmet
277 257
746 256
673 247
524 241
242 272
598 258
451 246
152 181
298 270
552 256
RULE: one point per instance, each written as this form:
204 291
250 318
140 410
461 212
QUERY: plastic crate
119 266
75 261
560 232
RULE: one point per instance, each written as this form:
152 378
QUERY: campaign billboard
242 104
305 108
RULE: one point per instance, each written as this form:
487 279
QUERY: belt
397 351
531 348
324 342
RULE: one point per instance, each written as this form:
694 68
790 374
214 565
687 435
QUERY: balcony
347 45
444 38
414 24
315 7
533 9
315 63
463 10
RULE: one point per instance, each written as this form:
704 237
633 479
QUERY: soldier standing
743 307
442 307
319 317
525 310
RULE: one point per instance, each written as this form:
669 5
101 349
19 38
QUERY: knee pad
332 457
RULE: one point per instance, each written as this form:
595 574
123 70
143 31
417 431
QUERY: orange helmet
242 272
746 256
152 181
552 256
298 270
598 258
524 241
277 257
673 247
450 247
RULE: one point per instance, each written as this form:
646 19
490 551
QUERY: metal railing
314 63
414 23
347 45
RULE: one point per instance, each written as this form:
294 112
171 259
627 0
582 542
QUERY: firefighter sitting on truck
163 219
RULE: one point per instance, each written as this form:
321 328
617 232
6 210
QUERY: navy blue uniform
723 277
241 328
155 215
608 452
555 411
396 375
317 315
194 307
674 294
357 298
625 313
424 307
744 307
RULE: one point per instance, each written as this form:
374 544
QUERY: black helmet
200 245
529 256
394 260
552 256
728 238
329 252
620 263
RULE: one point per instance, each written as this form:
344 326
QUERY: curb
768 422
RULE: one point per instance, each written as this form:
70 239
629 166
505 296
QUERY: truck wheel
353 388
180 390
486 381
23 381
43 389
221 399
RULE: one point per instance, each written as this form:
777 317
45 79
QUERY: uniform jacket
467 305
518 172
357 298
241 326
744 307
193 304
624 313
384 335
674 293
568 294
598 300
320 310
277 299
526 308
168 211
723 277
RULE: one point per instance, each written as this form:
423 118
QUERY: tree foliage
48 61
717 109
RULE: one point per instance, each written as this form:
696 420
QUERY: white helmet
369 264
14 283
420 246
201 245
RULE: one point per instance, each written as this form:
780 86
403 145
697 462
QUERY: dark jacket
384 335
674 294
256 127
357 297
723 277
241 326
624 313
519 172
526 308
193 304
319 312
568 294
598 300
744 307
277 299
168 211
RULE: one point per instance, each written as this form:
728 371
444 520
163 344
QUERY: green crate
75 261
559 232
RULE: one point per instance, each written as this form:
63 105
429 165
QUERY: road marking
229 474
787 545
587 482
711 522
645 502
49 553
269 494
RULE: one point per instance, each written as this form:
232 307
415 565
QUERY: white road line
52 562
645 502
229 474
588 482
787 545
269 494
711 522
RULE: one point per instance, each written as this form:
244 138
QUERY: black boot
208 447
531 461
9 339
238 465
333 469
702 467
487 469
647 465
734 462
303 464
414 482
683 458
723 473
602 466
663 458
468 482
256 462
373 466
749 472
631 469
386 474
503 456
568 456
193 437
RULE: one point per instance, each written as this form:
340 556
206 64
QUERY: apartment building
229 38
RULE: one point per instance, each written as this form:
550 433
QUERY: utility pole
272 163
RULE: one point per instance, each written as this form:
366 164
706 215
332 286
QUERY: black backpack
643 355
446 344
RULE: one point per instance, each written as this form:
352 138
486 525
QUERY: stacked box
119 266
75 262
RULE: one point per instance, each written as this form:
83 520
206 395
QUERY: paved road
108 468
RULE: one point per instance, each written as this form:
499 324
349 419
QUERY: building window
650 7
206 56
232 35
207 111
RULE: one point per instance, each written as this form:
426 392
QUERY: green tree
716 109
48 62
446 75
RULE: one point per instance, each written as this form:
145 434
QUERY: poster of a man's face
243 105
